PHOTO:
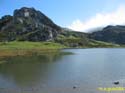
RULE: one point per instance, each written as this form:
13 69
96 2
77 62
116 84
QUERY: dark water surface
86 69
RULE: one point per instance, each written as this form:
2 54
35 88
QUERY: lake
83 71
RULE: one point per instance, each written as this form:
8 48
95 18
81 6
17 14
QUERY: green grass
78 42
28 48
16 48
30 45
94 43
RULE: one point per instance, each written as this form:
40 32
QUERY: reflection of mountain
28 70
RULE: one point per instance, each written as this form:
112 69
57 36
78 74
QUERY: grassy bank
30 45
27 48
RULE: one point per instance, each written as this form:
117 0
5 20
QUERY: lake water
86 69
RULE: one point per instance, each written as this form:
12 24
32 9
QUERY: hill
29 24
111 34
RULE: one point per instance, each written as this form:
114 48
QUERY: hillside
28 24
111 34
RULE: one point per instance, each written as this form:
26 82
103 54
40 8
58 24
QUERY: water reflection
87 69
27 70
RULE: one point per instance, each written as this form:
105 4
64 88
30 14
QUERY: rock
28 24
5 20
74 87
116 82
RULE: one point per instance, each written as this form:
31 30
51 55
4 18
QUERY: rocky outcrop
28 24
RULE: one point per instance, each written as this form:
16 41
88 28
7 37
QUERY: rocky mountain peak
33 16
28 24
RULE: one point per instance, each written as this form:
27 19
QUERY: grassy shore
16 48
27 48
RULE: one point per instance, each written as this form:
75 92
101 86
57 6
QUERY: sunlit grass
30 45
26 48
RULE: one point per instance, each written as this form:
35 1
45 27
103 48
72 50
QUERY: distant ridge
111 34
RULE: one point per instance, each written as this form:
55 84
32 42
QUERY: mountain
111 34
28 24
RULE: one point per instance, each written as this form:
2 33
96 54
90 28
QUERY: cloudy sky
80 15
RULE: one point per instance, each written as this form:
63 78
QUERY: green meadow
26 48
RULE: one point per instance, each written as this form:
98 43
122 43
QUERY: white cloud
116 17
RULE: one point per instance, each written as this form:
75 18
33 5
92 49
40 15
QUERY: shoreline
17 48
